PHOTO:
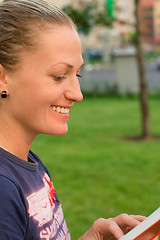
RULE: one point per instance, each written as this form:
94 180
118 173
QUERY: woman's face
44 88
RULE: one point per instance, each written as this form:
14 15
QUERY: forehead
60 44
59 36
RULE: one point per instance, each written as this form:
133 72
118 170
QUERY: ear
3 79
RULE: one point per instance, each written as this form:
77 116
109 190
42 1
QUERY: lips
60 109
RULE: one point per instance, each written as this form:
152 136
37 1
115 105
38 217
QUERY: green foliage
87 17
133 38
95 171
82 18
103 20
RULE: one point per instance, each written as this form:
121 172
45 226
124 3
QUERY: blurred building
60 3
149 13
156 16
82 3
125 17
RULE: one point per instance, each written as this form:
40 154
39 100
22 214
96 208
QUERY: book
146 230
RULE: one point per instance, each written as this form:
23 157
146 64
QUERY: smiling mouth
60 109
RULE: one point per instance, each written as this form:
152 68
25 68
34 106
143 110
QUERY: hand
112 228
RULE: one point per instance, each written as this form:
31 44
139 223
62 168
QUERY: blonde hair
20 22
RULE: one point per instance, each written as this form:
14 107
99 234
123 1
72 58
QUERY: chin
59 132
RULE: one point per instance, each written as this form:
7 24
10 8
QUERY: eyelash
78 75
59 78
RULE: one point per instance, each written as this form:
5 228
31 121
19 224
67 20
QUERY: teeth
66 110
60 110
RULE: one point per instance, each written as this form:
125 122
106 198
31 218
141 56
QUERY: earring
4 94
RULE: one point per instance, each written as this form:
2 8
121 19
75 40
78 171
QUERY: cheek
35 93
26 103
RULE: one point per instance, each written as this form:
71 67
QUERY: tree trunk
146 133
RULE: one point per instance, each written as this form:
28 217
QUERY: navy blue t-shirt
29 207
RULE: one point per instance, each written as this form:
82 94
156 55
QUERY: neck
15 150
15 142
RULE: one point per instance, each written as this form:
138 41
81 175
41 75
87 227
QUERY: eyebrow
68 65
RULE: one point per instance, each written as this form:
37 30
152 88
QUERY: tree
102 19
88 17
146 132
82 18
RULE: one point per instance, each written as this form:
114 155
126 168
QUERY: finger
107 228
114 229
125 221
139 217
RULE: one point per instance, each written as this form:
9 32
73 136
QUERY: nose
73 91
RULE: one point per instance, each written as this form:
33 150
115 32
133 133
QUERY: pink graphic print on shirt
41 207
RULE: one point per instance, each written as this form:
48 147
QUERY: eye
58 78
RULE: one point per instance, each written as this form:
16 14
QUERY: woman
40 60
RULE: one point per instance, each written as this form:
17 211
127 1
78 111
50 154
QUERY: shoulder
9 190
11 196
6 183
13 209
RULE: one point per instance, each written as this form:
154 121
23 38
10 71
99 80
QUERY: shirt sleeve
13 214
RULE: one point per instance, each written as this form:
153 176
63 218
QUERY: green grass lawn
95 171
